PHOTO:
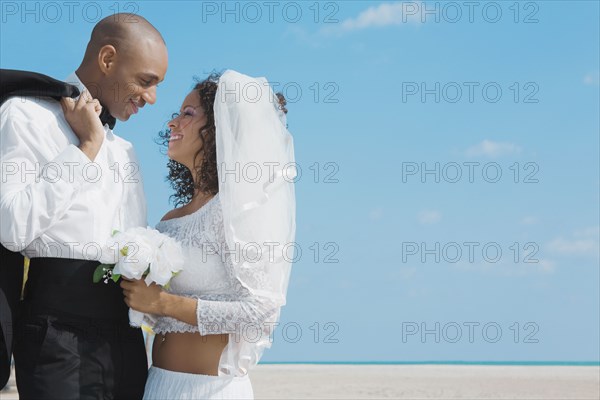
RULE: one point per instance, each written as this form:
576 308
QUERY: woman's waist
192 339
189 352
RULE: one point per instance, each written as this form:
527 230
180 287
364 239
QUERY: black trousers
11 280
73 336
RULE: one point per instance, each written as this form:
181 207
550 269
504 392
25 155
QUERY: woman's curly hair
180 177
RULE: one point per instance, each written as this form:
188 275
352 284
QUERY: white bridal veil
256 168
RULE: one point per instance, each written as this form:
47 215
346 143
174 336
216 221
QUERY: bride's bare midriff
189 352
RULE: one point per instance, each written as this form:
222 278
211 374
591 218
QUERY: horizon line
541 363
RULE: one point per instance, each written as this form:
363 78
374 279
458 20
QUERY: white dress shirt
54 201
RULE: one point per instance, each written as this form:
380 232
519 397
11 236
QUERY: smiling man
123 63
65 195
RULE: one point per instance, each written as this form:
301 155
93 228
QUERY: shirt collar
73 79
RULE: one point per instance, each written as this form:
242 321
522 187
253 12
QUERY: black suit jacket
19 83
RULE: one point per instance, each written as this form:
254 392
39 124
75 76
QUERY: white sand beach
306 381
426 382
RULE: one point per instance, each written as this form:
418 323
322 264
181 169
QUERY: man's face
132 80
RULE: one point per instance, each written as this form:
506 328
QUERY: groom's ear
106 58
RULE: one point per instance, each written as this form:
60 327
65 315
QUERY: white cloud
581 242
408 272
428 217
303 36
592 231
592 78
376 214
543 266
546 266
423 292
404 273
346 284
383 15
507 268
573 246
529 220
488 148
379 16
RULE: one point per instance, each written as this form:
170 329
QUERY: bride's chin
172 156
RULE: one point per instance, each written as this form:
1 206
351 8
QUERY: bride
232 168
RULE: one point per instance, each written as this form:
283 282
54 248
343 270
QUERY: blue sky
379 92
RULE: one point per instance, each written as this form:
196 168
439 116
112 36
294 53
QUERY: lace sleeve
232 312
217 314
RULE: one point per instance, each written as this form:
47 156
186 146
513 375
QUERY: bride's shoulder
174 213
204 213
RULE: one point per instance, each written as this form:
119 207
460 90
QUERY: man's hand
83 117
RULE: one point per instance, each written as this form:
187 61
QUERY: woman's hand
83 117
143 298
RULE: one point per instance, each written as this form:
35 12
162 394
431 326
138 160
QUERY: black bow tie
106 118
26 83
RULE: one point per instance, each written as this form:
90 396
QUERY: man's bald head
122 31
124 61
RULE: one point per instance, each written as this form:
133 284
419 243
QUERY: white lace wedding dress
224 306
236 265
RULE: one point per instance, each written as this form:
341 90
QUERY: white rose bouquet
140 253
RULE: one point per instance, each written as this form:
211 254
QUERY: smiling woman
191 146
190 142
215 319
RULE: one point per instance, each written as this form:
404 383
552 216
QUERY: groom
62 194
